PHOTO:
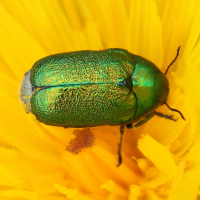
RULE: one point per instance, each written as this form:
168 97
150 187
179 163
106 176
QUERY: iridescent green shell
93 88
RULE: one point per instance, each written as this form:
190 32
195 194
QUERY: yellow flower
160 159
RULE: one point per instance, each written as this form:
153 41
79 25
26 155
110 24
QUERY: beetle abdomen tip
26 92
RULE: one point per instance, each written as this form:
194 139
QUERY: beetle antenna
175 110
177 54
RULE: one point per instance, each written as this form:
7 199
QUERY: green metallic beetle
94 88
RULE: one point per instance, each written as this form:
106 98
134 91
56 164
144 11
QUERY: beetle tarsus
120 145
175 110
165 116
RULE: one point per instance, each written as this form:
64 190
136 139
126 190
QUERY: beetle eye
128 83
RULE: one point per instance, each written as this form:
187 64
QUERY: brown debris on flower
84 138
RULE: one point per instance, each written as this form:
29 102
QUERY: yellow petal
159 155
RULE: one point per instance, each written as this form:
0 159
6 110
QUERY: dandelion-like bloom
160 159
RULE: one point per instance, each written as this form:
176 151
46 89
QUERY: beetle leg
148 117
165 116
120 145
129 125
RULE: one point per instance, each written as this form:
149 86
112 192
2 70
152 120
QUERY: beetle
95 88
